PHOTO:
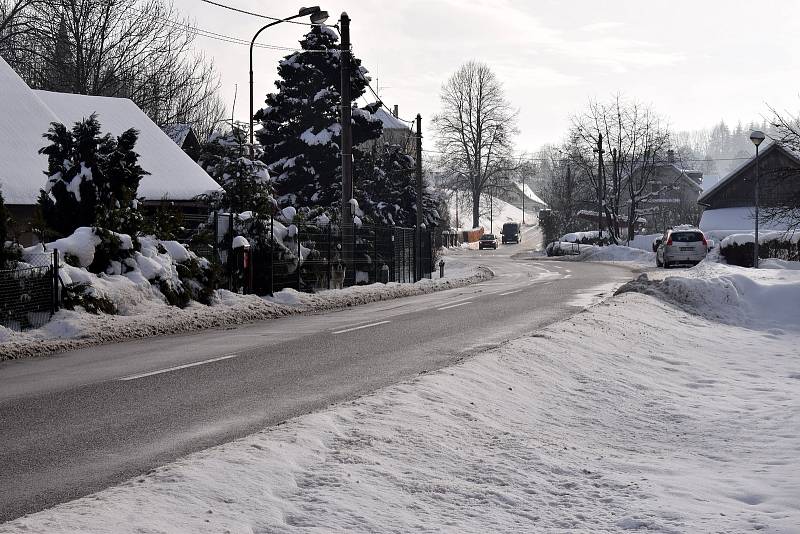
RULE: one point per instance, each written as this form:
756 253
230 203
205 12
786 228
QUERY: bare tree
783 208
633 142
15 20
138 49
475 129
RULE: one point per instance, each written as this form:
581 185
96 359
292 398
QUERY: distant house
25 115
185 137
729 204
673 193
395 132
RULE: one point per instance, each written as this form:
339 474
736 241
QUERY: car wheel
667 264
658 262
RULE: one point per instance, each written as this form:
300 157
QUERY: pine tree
92 179
388 195
300 124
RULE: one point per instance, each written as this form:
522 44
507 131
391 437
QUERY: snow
763 237
533 196
178 132
240 242
144 313
23 120
289 213
502 212
573 428
25 115
177 251
390 122
323 137
616 253
81 244
718 223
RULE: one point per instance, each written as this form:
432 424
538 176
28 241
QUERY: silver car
680 245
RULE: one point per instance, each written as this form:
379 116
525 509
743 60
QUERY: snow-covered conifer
300 125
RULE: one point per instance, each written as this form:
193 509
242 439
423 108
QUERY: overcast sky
695 62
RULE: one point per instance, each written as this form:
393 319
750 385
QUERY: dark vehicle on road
680 245
487 241
511 232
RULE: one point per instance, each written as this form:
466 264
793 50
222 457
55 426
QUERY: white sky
695 62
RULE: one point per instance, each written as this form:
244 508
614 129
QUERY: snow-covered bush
98 265
92 179
739 249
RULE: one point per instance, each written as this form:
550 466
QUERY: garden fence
29 292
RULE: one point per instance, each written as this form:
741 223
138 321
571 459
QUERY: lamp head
317 15
757 137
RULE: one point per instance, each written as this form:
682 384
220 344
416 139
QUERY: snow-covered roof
739 168
735 219
25 115
23 120
173 174
178 132
390 122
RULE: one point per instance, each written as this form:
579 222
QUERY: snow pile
575 429
644 241
615 253
755 298
147 316
576 237
763 237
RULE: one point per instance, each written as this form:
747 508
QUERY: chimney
670 156
395 111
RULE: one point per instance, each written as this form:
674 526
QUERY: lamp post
757 137
317 17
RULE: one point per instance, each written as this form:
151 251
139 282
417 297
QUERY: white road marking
455 305
510 292
359 327
177 367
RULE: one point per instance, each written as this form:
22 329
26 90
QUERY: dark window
686 237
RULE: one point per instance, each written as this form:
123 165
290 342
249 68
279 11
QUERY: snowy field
146 316
633 415
501 213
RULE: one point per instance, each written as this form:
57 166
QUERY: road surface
78 422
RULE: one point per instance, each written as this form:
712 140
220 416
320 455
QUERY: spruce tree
300 124
92 179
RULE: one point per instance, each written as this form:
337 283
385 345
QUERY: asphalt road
78 422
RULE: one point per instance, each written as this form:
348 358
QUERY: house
395 132
185 137
729 204
673 193
25 115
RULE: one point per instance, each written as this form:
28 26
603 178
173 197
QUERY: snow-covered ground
501 212
146 316
633 415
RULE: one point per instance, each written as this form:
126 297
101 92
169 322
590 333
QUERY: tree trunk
476 208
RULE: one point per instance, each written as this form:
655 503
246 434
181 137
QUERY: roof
173 174
735 220
23 120
25 115
390 122
178 132
739 168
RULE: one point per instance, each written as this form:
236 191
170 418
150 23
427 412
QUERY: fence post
328 262
417 254
355 230
271 253
299 258
375 251
54 306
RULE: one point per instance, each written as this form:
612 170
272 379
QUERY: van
511 233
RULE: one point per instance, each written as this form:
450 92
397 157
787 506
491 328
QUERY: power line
259 15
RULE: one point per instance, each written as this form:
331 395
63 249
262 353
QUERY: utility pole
523 197
347 140
419 196
601 185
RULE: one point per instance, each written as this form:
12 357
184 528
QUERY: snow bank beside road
756 298
576 429
74 329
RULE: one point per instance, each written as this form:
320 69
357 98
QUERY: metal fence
334 257
29 293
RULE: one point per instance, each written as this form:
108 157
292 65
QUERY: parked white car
680 245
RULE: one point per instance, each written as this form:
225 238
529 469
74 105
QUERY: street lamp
757 137
317 17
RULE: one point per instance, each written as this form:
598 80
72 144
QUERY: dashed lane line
176 368
455 305
345 330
